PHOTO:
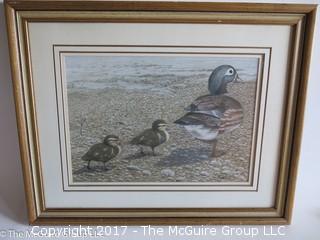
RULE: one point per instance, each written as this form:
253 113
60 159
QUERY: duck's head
220 78
112 140
159 125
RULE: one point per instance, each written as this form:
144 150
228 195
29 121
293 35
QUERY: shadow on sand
139 155
92 169
184 156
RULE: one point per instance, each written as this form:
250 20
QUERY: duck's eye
229 72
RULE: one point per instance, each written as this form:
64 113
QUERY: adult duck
212 115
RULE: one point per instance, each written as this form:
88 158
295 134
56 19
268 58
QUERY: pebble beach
96 113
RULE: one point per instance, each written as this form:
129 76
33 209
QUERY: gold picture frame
300 18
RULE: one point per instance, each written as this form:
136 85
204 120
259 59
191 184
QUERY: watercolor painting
160 118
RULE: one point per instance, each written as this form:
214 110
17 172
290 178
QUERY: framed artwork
159 112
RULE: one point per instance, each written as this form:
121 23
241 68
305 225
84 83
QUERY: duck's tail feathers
182 121
191 108
85 157
135 141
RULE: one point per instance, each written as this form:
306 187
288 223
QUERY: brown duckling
103 152
152 137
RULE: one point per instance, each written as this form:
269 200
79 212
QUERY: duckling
209 116
103 152
152 137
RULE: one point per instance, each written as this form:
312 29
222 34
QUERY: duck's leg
141 150
88 166
216 153
214 146
105 167
153 152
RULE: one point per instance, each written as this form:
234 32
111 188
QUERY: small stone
243 178
215 163
146 172
204 173
226 171
180 179
167 173
133 167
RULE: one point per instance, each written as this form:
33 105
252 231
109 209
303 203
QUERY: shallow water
158 74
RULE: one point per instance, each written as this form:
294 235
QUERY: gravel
94 114
167 173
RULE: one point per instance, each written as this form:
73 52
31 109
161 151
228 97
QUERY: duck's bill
237 79
115 140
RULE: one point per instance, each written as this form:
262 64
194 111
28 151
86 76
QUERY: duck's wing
88 155
228 110
201 126
231 120
147 137
232 116
194 118
98 152
214 105
208 104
